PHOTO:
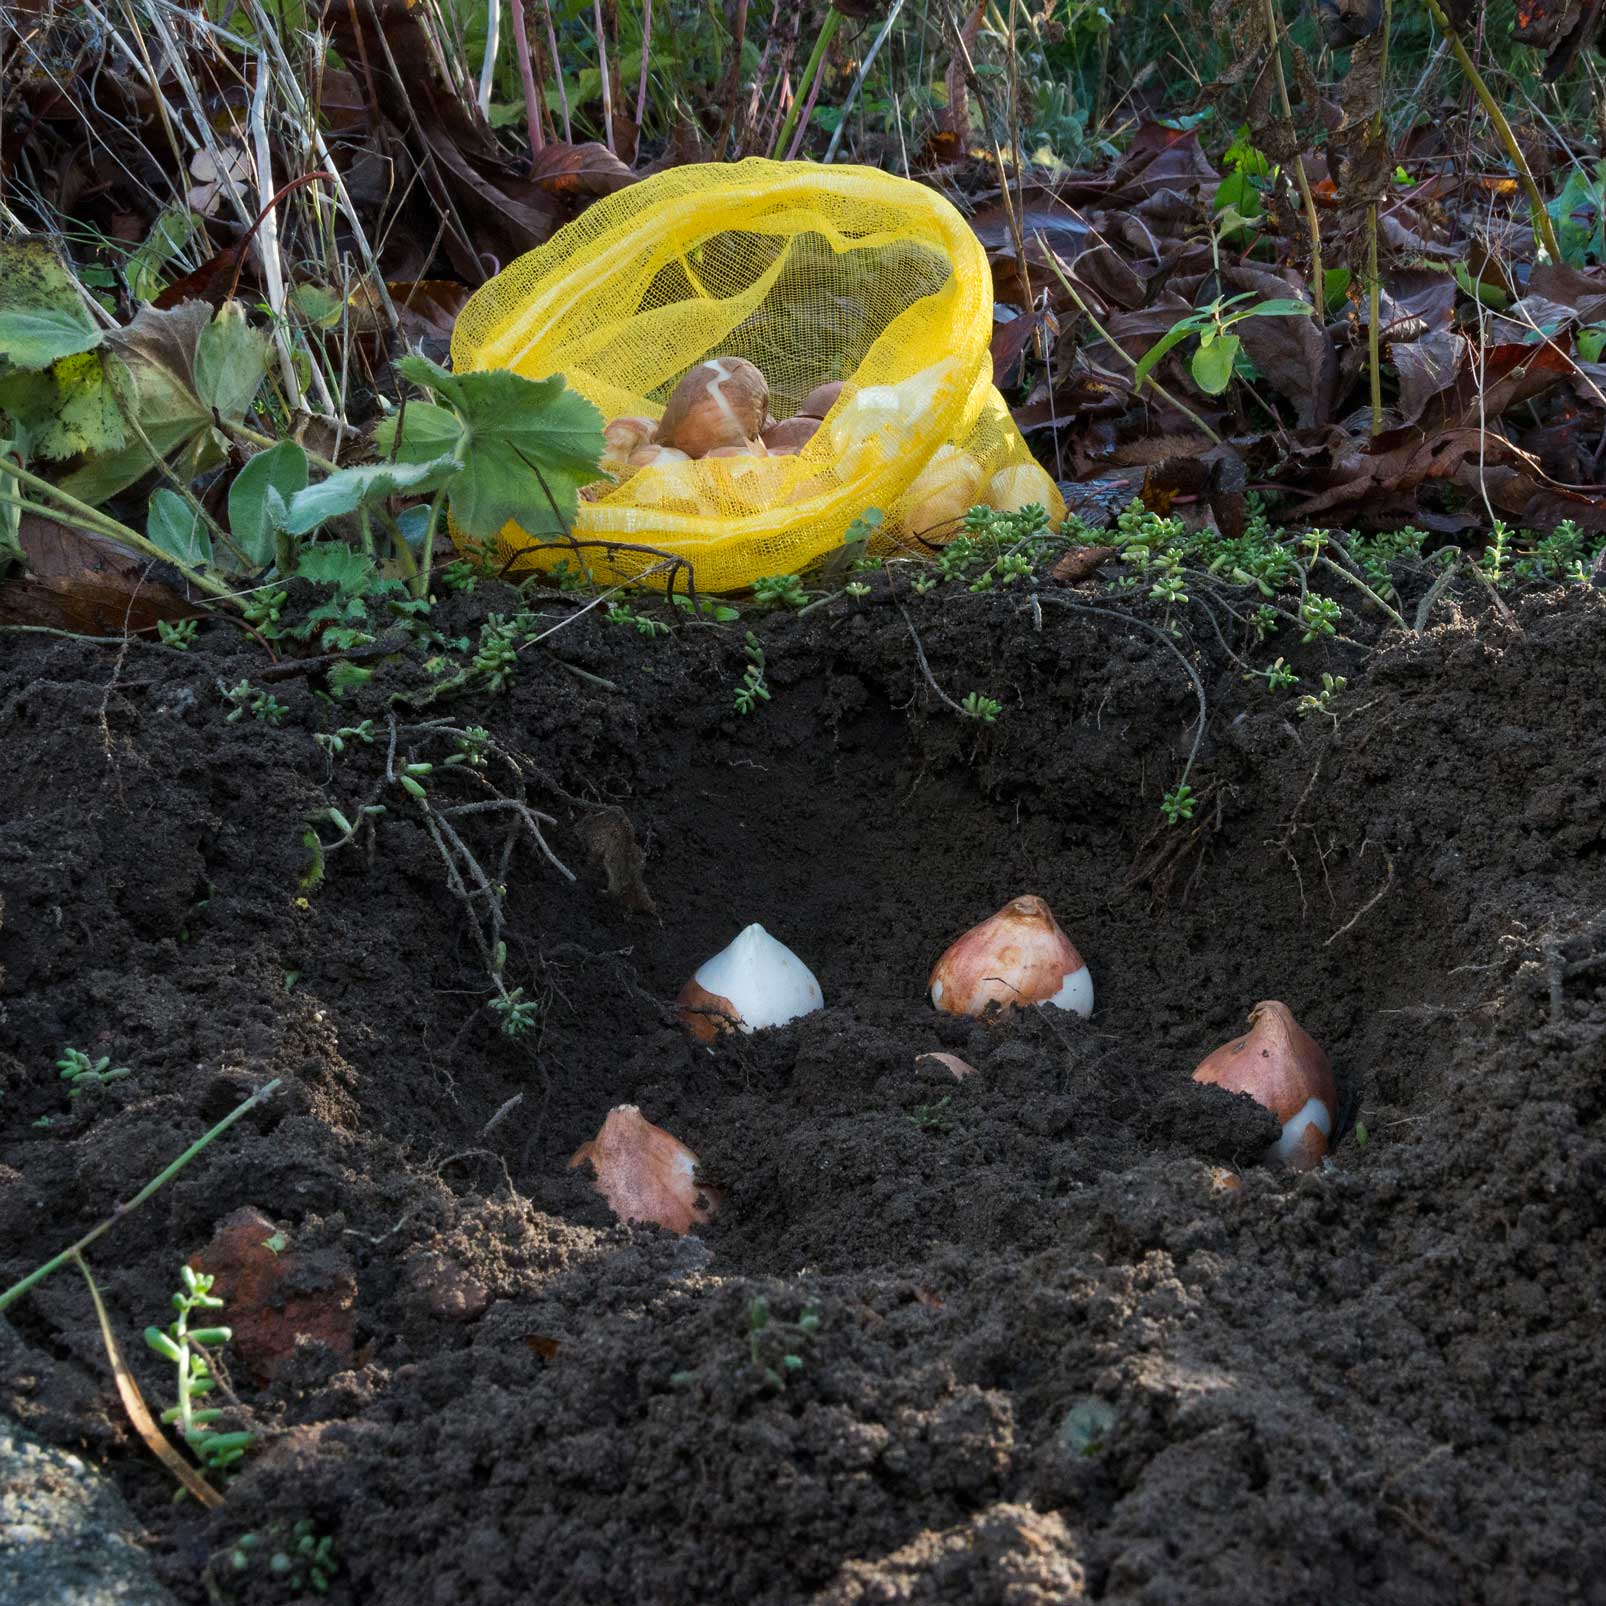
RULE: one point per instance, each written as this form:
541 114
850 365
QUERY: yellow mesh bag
814 274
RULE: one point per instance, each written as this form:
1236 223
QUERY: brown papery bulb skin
624 435
746 449
1280 1065
704 1014
644 1173
1019 956
721 402
820 400
957 1068
792 436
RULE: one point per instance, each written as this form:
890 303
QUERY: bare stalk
1536 202
1318 281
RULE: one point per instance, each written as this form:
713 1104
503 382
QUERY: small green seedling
177 1343
515 1013
179 636
936 1117
753 689
643 623
1321 702
80 1072
1178 804
719 613
776 1347
303 1561
247 699
779 591
985 710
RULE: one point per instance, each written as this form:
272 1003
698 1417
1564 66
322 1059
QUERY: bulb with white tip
755 982
1019 956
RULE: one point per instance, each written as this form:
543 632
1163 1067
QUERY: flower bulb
755 982
1278 1064
1019 956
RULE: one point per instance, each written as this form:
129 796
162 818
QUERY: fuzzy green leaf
419 433
254 508
42 316
348 488
154 381
178 529
65 410
231 359
517 434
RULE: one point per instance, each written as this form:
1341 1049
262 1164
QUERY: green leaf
260 496
178 529
163 1345
333 563
418 433
231 359
1579 214
1173 336
68 409
42 316
518 435
151 371
347 489
1488 295
318 304
1212 362
147 263
1270 309
1335 288
1590 342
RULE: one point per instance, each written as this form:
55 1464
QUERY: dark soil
1055 1357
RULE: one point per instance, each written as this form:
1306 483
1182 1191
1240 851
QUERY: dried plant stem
607 91
1374 336
557 70
1536 202
1318 280
1374 340
808 84
1058 270
859 77
493 43
641 84
532 97
139 1413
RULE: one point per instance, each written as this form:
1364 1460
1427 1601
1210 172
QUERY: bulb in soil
1278 1064
755 982
644 1173
1019 956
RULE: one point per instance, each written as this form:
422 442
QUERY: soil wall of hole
1054 1357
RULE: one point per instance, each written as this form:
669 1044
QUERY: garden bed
1057 1351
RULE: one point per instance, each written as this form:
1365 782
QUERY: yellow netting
814 274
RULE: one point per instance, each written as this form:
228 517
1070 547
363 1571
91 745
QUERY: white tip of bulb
1312 1113
1076 993
763 978
936 992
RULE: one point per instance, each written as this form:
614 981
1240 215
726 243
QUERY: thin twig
38 1275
